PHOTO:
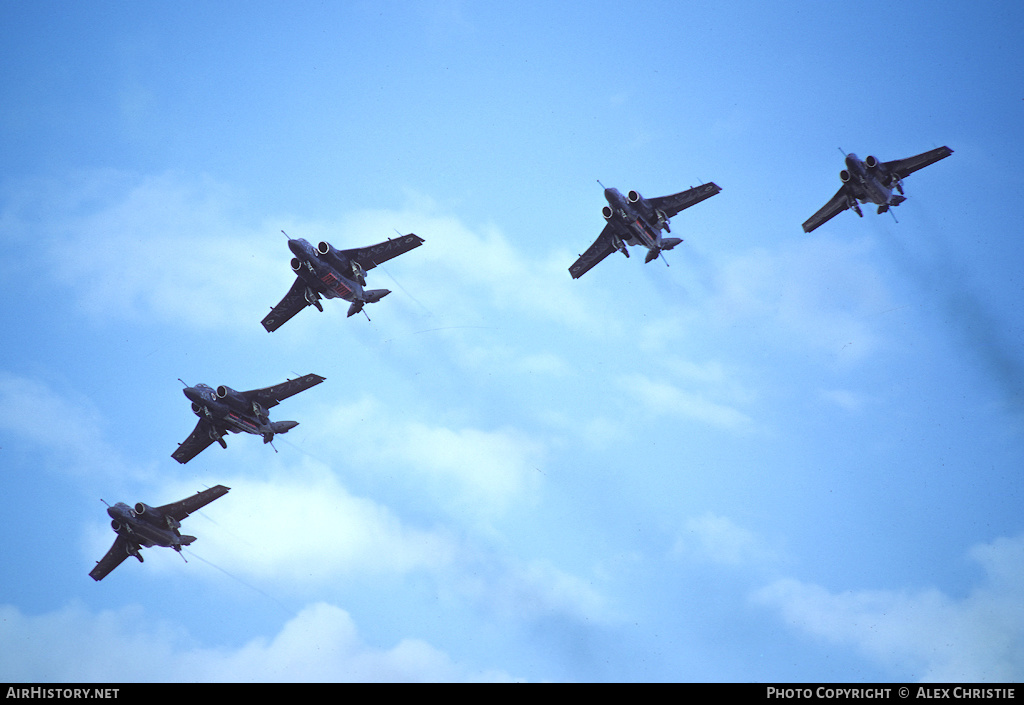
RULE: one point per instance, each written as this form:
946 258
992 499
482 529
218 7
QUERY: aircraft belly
335 286
148 536
642 234
878 194
240 423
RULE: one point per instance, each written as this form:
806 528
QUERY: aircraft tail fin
370 296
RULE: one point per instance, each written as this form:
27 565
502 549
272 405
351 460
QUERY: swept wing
900 168
271 396
196 443
113 558
603 246
836 205
370 257
293 302
670 205
180 510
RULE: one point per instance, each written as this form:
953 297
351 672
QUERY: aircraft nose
296 247
193 395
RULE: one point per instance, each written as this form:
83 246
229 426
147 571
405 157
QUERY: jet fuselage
637 222
226 410
866 183
632 219
145 528
323 271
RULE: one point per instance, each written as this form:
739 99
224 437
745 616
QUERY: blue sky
784 457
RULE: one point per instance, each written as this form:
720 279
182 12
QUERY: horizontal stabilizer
374 295
283 426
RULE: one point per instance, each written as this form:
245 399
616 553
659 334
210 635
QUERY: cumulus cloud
177 249
845 399
160 248
474 473
663 398
533 590
469 272
924 634
817 293
321 643
720 540
300 530
68 426
306 529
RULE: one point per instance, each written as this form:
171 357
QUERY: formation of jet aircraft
224 410
872 181
325 272
143 525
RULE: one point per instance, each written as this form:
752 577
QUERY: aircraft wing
900 168
180 510
370 257
603 246
196 442
272 396
293 302
113 558
670 205
836 205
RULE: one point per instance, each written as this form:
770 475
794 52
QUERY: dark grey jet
635 220
146 526
334 274
223 410
872 181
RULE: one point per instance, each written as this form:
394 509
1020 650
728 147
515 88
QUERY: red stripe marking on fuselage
242 422
335 284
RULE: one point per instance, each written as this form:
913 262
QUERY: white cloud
473 473
664 398
303 529
845 398
321 643
720 540
299 530
816 293
488 468
534 590
67 426
29 409
164 248
479 274
175 249
927 634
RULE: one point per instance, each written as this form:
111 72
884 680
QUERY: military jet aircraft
872 181
146 526
224 410
335 274
635 220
